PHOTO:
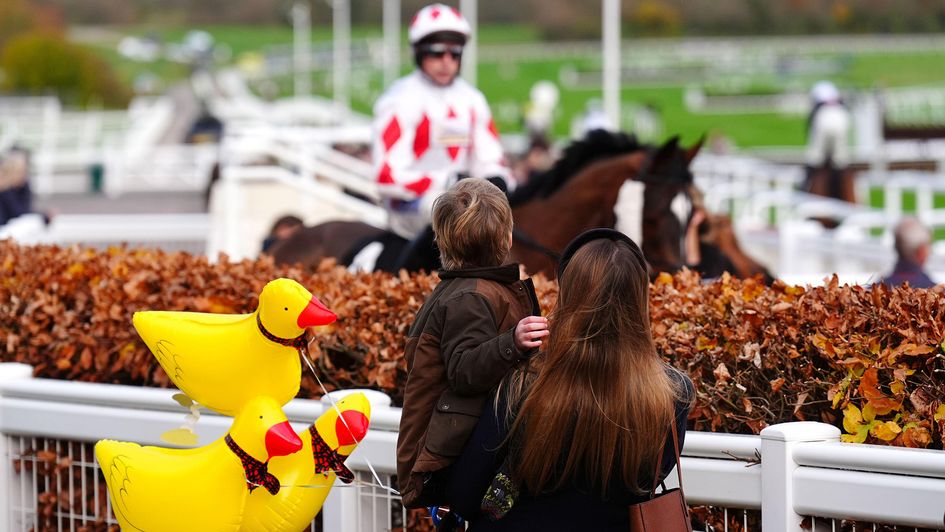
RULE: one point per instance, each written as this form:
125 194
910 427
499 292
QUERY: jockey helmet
824 92
436 19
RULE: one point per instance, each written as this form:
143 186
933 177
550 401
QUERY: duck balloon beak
315 313
351 427
281 440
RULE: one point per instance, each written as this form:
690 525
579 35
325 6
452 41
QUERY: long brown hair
602 403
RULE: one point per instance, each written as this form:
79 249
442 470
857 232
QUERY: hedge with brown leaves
870 361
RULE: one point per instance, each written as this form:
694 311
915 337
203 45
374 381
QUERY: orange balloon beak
281 440
315 313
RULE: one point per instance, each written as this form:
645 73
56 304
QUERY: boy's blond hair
472 222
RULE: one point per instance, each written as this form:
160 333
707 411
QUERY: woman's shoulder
683 384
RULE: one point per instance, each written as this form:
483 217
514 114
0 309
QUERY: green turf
506 85
896 70
127 70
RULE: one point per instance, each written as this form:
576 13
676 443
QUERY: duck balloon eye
285 308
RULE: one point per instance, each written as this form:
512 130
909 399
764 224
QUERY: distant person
536 161
828 152
593 118
540 109
282 229
711 246
913 246
432 127
16 198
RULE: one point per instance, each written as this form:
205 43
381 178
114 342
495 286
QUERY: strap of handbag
659 466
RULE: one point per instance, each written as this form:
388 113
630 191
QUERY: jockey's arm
487 157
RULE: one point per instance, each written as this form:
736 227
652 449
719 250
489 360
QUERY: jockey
431 127
828 128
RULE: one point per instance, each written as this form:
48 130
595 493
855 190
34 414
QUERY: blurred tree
97 12
16 16
656 18
554 19
566 19
38 63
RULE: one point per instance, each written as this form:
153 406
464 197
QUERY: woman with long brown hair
577 435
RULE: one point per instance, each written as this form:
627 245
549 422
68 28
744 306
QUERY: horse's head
668 180
668 165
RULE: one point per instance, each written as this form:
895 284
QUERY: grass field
507 85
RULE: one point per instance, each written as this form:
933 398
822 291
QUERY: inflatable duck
156 489
307 476
223 360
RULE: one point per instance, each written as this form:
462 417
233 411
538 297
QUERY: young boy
479 322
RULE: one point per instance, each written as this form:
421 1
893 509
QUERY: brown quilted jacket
458 349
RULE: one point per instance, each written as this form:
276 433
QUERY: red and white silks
424 136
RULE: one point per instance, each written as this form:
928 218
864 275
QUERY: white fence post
342 510
777 470
9 371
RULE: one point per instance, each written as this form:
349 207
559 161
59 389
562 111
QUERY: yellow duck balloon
223 360
307 476
157 489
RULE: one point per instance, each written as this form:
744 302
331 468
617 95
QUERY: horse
577 193
571 198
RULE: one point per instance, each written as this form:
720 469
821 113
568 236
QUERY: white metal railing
65 144
170 232
268 172
803 470
773 219
164 168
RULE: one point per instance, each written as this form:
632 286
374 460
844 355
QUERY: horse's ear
693 150
659 158
670 144
665 152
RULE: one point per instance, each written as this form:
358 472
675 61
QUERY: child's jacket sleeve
476 354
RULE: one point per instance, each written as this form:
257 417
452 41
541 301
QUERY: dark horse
579 192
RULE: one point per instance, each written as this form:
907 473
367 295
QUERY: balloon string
355 484
343 420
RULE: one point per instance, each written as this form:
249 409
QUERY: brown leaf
801 398
721 374
916 437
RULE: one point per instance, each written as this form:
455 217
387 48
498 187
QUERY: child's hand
529 332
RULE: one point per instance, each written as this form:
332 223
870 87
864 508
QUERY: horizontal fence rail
790 472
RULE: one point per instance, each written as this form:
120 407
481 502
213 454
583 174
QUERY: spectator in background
537 160
913 246
594 117
16 198
284 227
711 246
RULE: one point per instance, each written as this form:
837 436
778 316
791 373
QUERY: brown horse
579 192
587 200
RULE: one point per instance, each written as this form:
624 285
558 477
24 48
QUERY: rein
526 240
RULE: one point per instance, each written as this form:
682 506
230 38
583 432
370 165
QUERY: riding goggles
438 50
